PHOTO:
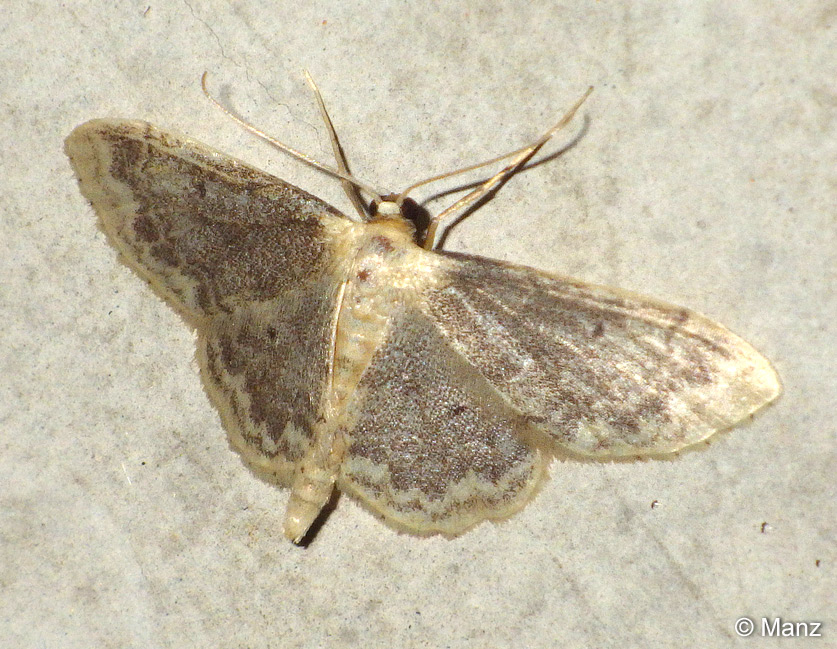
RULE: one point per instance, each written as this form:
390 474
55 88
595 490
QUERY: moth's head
403 213
389 207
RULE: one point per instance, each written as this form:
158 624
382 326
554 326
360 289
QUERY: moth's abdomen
370 292
361 330
365 311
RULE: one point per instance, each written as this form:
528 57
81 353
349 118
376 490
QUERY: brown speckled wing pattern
242 255
431 446
265 366
204 229
603 372
433 387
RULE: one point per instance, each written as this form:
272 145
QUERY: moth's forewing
245 256
604 372
431 446
206 230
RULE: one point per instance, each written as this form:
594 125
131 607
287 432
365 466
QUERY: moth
347 353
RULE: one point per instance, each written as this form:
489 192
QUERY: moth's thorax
382 264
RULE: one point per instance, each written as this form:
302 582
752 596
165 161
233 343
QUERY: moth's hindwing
431 446
604 372
265 366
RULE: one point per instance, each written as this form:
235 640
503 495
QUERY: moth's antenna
403 194
522 156
339 154
369 189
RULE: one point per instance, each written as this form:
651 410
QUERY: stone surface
702 174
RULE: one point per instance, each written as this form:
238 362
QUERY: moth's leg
313 482
346 178
339 155
521 158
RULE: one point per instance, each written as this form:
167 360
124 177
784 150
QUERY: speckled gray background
706 176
